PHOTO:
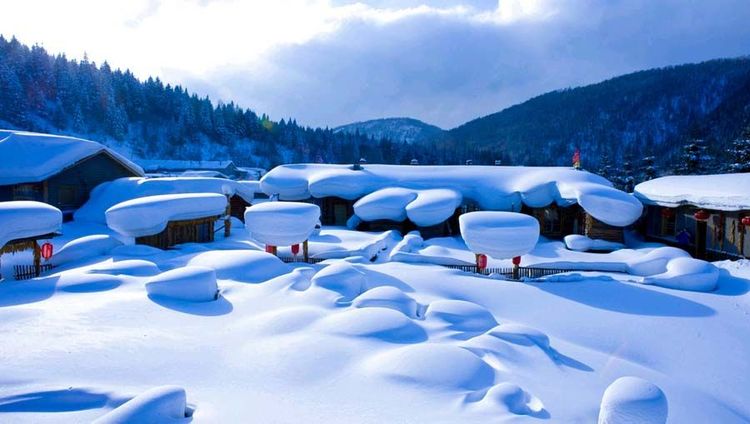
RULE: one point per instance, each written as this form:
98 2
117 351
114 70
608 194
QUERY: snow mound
500 188
581 243
422 207
726 192
655 261
342 278
76 282
281 223
633 400
111 193
165 404
521 334
460 315
84 248
22 219
241 265
36 157
191 283
436 366
499 234
388 297
135 250
284 321
133 267
379 323
146 216
509 397
687 274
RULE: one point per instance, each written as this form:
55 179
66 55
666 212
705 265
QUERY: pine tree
605 167
648 169
626 181
740 153
694 158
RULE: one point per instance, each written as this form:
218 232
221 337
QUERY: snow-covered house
199 168
57 170
431 198
24 223
701 213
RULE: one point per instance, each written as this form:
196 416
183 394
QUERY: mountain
406 130
647 113
151 119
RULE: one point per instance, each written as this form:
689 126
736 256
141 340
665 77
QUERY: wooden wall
188 231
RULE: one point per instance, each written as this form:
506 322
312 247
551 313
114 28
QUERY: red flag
577 159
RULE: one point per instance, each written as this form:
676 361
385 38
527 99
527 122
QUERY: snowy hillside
407 130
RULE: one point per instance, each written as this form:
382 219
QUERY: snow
583 243
36 157
21 219
633 400
150 215
499 188
686 274
190 283
499 234
369 339
85 248
281 223
726 192
422 207
165 404
111 193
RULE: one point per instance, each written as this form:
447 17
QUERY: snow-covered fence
27 272
523 272
289 260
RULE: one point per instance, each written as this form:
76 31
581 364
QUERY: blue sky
328 63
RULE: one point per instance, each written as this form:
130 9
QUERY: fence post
37 259
305 253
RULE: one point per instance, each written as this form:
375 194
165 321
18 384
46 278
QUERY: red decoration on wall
667 212
295 249
701 215
47 249
517 260
482 261
269 248
746 221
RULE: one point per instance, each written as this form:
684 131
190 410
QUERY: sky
332 62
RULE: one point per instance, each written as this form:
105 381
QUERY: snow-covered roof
151 165
281 223
149 215
502 188
726 192
24 219
111 193
32 157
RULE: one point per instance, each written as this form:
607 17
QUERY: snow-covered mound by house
32 157
281 223
165 404
21 219
249 266
500 188
686 274
150 215
84 248
191 283
633 400
499 234
422 207
583 243
343 279
727 192
111 193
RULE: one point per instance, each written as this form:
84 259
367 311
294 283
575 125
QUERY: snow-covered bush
633 400
164 405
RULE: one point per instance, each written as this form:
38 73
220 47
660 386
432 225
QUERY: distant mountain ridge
405 130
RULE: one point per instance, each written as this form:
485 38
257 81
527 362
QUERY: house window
27 192
67 195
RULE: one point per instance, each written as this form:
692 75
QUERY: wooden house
556 222
707 215
60 171
199 230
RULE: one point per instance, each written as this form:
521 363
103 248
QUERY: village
366 271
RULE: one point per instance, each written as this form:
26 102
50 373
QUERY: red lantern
701 215
270 249
481 261
295 249
667 212
47 249
517 260
746 221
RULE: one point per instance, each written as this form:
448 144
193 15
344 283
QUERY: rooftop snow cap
724 192
499 188
37 157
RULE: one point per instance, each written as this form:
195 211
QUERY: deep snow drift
727 192
434 189
22 219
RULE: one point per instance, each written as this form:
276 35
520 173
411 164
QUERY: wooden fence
300 259
27 272
523 272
